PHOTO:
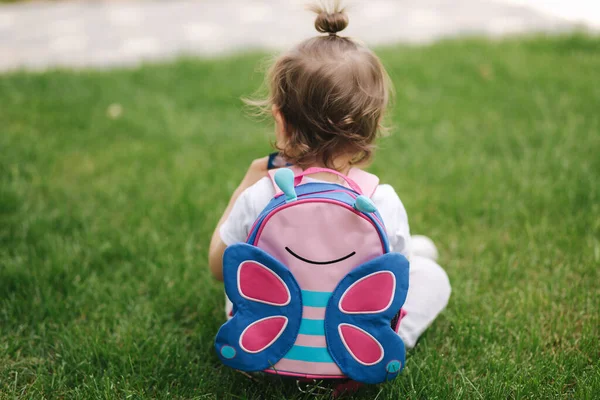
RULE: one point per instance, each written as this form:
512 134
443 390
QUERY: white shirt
254 199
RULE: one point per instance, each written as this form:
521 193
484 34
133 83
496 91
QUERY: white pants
428 293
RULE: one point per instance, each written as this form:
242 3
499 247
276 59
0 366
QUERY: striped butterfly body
315 287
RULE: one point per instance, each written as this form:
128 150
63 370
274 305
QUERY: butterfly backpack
316 291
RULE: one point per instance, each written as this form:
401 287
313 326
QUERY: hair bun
330 19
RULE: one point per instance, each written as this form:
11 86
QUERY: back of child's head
331 92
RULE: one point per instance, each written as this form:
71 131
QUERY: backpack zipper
302 195
284 206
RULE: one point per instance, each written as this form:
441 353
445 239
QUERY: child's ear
280 126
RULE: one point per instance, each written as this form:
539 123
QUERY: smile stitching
319 262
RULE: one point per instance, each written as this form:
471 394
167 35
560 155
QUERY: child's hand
257 171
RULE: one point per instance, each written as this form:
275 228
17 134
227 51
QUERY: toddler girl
327 97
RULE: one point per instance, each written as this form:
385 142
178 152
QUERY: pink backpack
316 291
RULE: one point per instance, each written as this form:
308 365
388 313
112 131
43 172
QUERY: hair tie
332 34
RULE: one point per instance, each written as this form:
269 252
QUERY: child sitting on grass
327 97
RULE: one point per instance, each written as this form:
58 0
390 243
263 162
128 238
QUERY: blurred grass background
111 183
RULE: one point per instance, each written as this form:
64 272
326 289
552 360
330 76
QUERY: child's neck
341 164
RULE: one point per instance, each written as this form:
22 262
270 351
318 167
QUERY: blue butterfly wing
358 317
267 309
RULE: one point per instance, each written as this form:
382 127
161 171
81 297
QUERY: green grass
105 223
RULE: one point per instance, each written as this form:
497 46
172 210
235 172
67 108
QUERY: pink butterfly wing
258 283
361 345
262 333
372 294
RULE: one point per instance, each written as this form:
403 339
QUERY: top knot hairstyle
332 93
331 23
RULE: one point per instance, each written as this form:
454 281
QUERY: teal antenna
284 178
364 204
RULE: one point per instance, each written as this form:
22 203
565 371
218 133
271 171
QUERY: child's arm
395 218
257 170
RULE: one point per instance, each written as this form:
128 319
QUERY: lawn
106 214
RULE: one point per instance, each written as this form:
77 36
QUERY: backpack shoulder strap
365 180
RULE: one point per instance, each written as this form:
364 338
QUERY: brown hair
332 93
